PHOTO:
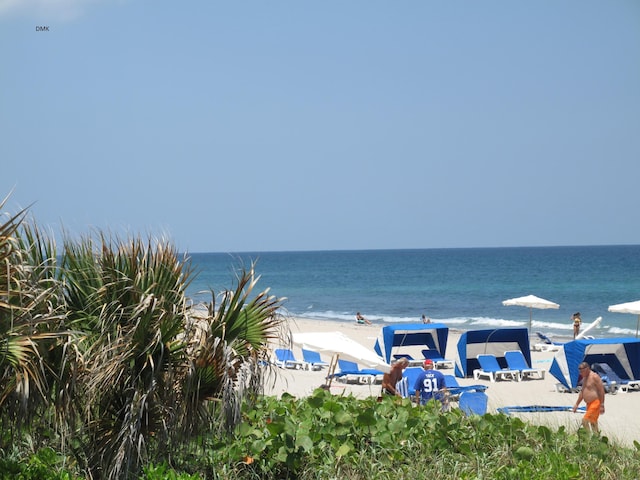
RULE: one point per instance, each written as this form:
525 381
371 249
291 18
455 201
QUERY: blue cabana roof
431 335
622 355
494 342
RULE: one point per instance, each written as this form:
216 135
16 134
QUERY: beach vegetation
108 371
330 436
103 357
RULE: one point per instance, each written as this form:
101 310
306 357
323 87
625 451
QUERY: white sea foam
554 329
624 332
551 326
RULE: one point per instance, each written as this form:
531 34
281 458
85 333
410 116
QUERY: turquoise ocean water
463 288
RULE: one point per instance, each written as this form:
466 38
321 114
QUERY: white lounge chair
312 360
438 360
489 367
286 359
516 361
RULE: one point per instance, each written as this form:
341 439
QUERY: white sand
620 422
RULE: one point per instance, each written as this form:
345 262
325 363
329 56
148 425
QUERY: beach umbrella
532 302
339 343
629 307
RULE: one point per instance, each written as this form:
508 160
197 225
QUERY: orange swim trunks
593 411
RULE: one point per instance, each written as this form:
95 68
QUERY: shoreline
619 422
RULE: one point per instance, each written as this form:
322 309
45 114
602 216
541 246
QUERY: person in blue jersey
430 384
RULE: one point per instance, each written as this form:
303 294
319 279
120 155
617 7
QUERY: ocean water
463 287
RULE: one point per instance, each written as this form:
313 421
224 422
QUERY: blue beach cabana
495 342
621 354
393 337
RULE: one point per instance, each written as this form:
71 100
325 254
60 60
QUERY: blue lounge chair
286 359
455 389
411 373
611 380
351 371
473 403
516 361
438 359
402 387
489 367
546 345
413 362
312 360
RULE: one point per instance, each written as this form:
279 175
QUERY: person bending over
389 380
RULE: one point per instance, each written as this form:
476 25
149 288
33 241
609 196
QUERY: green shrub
45 464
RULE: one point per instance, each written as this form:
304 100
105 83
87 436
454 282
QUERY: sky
304 125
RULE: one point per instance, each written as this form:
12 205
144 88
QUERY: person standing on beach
430 384
577 321
425 319
389 380
360 320
593 394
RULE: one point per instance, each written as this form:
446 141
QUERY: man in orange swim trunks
593 394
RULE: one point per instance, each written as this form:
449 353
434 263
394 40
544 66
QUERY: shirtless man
390 379
593 394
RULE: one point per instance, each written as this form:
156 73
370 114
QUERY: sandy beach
620 422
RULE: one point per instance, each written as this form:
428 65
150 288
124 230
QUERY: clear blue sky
307 125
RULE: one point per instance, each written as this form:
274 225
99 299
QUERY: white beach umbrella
345 347
629 307
532 302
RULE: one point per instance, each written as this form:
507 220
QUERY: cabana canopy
393 337
622 355
494 342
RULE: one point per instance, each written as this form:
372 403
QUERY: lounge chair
612 381
286 359
402 387
489 367
312 360
455 389
546 345
351 371
438 360
411 373
413 362
473 403
516 361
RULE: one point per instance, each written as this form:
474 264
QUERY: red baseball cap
428 361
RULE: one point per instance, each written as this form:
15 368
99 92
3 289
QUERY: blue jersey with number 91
428 384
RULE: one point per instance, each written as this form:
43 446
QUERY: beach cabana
621 354
393 337
493 342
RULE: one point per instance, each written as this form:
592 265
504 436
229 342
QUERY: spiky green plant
152 365
129 299
103 346
29 320
229 353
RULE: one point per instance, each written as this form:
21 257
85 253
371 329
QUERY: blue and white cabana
393 337
495 342
621 354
